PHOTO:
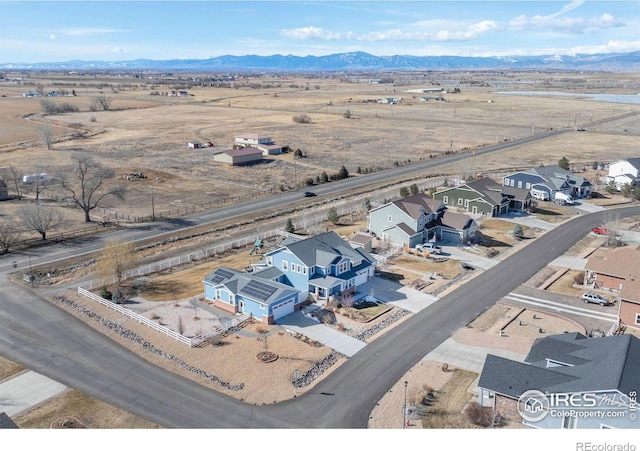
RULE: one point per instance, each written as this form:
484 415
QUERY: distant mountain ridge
354 61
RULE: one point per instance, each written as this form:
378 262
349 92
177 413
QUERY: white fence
191 342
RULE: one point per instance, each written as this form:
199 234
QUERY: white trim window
269 261
285 265
445 200
511 182
460 200
304 270
637 318
519 183
217 294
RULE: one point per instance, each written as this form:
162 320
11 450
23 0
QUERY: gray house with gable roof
550 179
590 383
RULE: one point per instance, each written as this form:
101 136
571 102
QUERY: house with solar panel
254 293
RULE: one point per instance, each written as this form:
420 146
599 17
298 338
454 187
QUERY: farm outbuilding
238 157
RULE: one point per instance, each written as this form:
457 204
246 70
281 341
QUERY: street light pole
153 207
404 407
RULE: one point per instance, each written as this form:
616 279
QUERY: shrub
302 119
477 414
105 293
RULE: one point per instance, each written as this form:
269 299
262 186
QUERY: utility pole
153 207
31 278
404 407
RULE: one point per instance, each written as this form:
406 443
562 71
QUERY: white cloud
608 47
52 36
471 32
88 31
118 50
314 33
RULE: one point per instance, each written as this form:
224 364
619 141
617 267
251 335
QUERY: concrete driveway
312 328
26 390
527 220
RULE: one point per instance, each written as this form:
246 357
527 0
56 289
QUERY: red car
600 230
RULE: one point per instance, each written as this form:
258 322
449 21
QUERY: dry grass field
149 133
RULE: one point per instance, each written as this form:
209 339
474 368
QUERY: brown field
141 132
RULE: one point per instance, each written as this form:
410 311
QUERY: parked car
309 194
594 298
600 230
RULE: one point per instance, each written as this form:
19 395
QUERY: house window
285 266
520 184
262 306
528 185
506 182
389 218
637 318
217 294
298 269
445 199
304 270
460 200
269 261
466 203
511 182
569 422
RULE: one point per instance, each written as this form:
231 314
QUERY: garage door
450 235
284 309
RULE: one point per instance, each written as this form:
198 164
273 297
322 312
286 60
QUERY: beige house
262 142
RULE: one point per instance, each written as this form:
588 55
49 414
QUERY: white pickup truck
429 247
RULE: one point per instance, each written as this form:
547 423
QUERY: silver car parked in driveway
594 298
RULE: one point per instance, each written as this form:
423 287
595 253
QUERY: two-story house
262 142
406 221
567 381
419 218
625 172
550 180
321 266
485 196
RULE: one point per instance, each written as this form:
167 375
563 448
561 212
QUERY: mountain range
353 61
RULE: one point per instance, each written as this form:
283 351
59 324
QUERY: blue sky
32 31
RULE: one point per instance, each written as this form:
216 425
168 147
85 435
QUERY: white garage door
281 310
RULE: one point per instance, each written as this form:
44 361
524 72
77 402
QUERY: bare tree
102 103
9 235
86 187
40 219
45 132
13 176
115 260
611 220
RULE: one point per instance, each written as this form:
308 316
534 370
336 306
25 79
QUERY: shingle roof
458 221
620 262
6 422
490 190
242 283
586 365
418 204
326 248
557 176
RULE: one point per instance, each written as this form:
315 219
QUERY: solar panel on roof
258 290
220 274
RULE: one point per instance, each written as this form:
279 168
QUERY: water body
614 98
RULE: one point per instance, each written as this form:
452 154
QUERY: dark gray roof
511 378
586 365
557 177
269 273
6 422
326 248
490 190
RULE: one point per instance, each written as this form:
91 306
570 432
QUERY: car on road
594 298
600 230
309 194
